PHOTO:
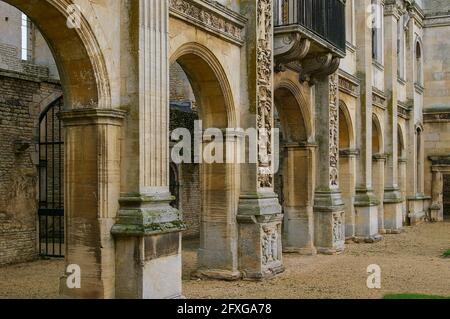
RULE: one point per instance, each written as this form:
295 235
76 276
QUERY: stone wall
21 100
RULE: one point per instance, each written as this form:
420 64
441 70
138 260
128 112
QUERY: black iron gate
51 182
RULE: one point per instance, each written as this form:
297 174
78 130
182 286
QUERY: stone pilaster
148 229
437 207
218 251
259 211
329 216
392 200
92 188
299 168
378 177
347 177
366 204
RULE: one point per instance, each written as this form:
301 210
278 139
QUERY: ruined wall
20 105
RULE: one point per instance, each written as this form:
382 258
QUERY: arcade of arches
87 111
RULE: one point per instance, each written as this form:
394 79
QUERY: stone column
378 168
366 204
259 211
147 231
392 197
329 217
92 187
347 177
298 189
402 165
218 251
437 208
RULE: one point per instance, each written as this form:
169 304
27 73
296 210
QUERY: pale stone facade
362 111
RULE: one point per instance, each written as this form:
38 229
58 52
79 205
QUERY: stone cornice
378 98
416 13
438 20
212 17
403 110
348 84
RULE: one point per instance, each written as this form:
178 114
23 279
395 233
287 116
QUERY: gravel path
410 263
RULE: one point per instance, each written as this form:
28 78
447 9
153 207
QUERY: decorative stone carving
436 117
334 132
378 99
269 245
318 66
349 87
194 12
290 48
338 227
265 94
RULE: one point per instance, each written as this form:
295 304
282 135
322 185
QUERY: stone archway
91 178
218 252
378 165
402 169
297 174
347 167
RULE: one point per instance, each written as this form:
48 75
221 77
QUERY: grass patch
446 254
413 296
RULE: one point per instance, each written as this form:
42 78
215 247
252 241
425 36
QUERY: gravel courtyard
411 263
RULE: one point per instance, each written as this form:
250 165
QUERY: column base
436 213
210 274
298 231
417 209
260 246
366 215
329 222
367 240
393 215
312 251
148 248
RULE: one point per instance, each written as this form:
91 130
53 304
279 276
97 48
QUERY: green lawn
413 296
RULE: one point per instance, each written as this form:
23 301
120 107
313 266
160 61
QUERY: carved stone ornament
269 245
265 94
334 132
290 49
338 228
195 13
318 66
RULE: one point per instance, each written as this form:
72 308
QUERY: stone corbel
318 66
290 48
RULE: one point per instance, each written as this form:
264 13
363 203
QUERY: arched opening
378 166
347 167
402 168
293 182
418 63
31 139
51 182
419 161
82 77
376 136
209 198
